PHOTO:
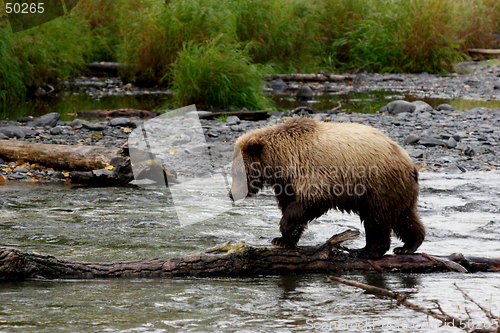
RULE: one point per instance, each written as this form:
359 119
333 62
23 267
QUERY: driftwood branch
438 313
484 51
311 77
230 259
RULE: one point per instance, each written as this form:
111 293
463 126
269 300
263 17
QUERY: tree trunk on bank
311 77
236 259
73 158
89 165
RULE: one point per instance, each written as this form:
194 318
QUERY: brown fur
315 166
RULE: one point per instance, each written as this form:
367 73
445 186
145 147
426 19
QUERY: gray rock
412 138
21 170
232 120
431 142
56 130
122 122
28 132
12 131
279 85
57 176
469 151
305 93
459 136
3 136
25 119
93 126
451 143
424 115
12 164
19 176
396 107
453 169
422 106
77 123
48 120
445 107
417 153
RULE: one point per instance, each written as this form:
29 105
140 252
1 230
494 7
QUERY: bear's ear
254 147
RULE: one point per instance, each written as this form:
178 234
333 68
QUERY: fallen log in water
237 259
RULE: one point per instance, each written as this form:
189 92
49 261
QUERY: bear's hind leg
410 230
378 240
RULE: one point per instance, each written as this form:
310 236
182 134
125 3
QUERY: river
461 213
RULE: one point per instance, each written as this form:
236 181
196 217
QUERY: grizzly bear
313 166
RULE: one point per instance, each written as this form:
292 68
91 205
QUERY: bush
217 75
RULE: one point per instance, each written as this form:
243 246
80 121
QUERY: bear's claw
403 250
281 242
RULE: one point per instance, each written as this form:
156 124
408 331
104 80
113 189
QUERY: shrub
217 75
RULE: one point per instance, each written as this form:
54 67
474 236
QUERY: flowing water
461 213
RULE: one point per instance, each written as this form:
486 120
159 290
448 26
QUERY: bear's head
246 168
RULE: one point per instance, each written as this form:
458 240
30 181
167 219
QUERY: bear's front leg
292 224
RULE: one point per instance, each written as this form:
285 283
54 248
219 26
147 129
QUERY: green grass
278 35
217 75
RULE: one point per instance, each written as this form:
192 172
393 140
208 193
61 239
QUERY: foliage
217 75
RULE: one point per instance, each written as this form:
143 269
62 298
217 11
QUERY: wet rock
279 85
56 130
122 122
445 107
20 170
305 93
411 139
431 142
422 106
396 107
232 120
12 131
48 120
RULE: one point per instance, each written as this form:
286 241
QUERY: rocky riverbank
443 140
440 140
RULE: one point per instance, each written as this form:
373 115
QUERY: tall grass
284 35
217 75
40 55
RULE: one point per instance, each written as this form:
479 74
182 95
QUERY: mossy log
237 259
